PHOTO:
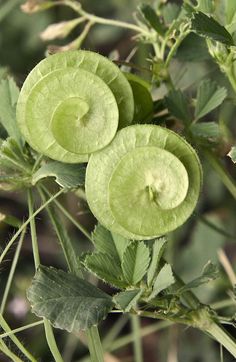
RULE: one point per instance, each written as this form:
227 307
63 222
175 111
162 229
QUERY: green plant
141 181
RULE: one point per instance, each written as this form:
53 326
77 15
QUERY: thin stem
95 346
12 271
220 335
68 215
21 329
222 173
135 321
23 226
115 330
175 47
99 20
14 339
47 326
9 353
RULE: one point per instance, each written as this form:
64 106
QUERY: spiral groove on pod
145 183
72 104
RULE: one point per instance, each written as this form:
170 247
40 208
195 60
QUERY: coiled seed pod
72 103
146 183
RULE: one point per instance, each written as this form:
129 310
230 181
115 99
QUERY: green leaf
128 299
209 96
208 130
209 273
106 268
187 50
232 154
66 175
163 280
9 94
170 13
67 301
157 251
135 262
152 19
230 10
178 106
207 6
109 243
208 27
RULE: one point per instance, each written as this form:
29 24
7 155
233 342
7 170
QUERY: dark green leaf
170 13
163 280
135 262
128 299
9 94
106 268
209 273
208 27
232 154
109 243
157 251
67 301
187 50
209 96
66 175
152 18
178 106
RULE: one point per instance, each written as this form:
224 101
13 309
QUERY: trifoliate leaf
106 268
209 273
66 175
157 251
135 262
163 280
209 96
232 154
208 27
178 106
67 301
9 94
152 19
109 243
128 299
207 130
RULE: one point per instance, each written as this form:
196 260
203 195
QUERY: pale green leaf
209 96
208 27
230 10
128 299
232 154
157 251
208 130
209 273
9 93
207 6
135 262
163 280
109 243
66 175
106 268
178 106
67 301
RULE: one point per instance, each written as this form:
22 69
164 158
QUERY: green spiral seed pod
72 103
146 183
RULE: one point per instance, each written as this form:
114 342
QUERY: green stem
20 329
12 271
9 353
94 344
222 173
175 47
23 226
14 339
96 19
135 320
220 335
47 326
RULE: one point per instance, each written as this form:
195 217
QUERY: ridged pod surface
72 104
146 183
